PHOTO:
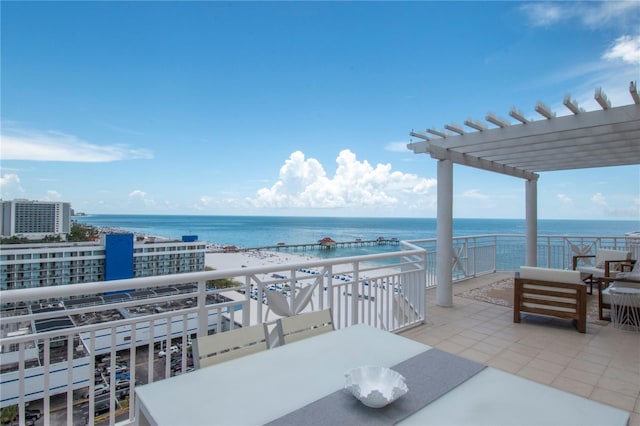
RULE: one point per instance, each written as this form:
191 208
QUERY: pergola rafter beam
441 153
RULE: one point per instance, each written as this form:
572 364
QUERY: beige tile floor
603 364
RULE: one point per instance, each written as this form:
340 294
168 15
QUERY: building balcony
82 332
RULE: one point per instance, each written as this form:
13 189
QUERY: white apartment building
34 219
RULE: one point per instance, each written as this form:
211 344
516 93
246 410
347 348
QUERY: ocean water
261 231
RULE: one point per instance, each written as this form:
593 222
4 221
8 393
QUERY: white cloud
52 195
137 194
138 197
598 200
21 144
589 14
10 185
543 14
397 147
303 183
9 179
204 202
631 209
626 48
564 199
475 194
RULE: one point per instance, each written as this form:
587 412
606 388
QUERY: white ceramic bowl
375 387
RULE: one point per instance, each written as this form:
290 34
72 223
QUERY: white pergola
580 140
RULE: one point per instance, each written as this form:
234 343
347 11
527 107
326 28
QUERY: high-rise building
34 219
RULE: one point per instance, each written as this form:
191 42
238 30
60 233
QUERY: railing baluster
70 374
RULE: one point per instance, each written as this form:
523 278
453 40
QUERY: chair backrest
279 304
304 325
220 347
603 255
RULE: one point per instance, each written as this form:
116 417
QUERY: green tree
80 232
14 240
9 414
222 282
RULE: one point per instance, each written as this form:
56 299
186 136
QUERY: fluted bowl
375 387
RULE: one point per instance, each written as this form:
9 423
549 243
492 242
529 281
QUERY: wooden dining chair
301 326
220 347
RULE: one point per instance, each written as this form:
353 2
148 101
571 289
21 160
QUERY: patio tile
463 341
547 366
619 386
615 399
573 386
589 366
581 376
451 347
537 375
488 348
505 365
555 358
473 334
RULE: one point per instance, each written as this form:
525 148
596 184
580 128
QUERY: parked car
99 389
119 369
178 366
101 409
174 350
122 383
32 414
123 376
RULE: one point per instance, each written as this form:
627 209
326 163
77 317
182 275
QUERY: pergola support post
444 289
531 218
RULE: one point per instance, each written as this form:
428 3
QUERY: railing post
203 316
355 291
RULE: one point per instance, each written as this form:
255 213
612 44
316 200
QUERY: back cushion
603 255
548 274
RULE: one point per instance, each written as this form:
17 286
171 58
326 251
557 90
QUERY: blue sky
298 108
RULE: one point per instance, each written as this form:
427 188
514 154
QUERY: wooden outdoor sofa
551 292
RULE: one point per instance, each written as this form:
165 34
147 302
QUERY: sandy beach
251 259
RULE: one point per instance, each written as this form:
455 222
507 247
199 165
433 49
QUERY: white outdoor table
264 386
625 306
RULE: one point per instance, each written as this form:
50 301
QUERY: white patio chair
220 347
302 326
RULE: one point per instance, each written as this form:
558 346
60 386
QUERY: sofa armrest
609 266
581 256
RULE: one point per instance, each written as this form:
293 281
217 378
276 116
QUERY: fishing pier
324 244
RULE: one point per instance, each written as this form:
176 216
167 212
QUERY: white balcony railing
58 342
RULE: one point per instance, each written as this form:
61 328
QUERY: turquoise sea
260 231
